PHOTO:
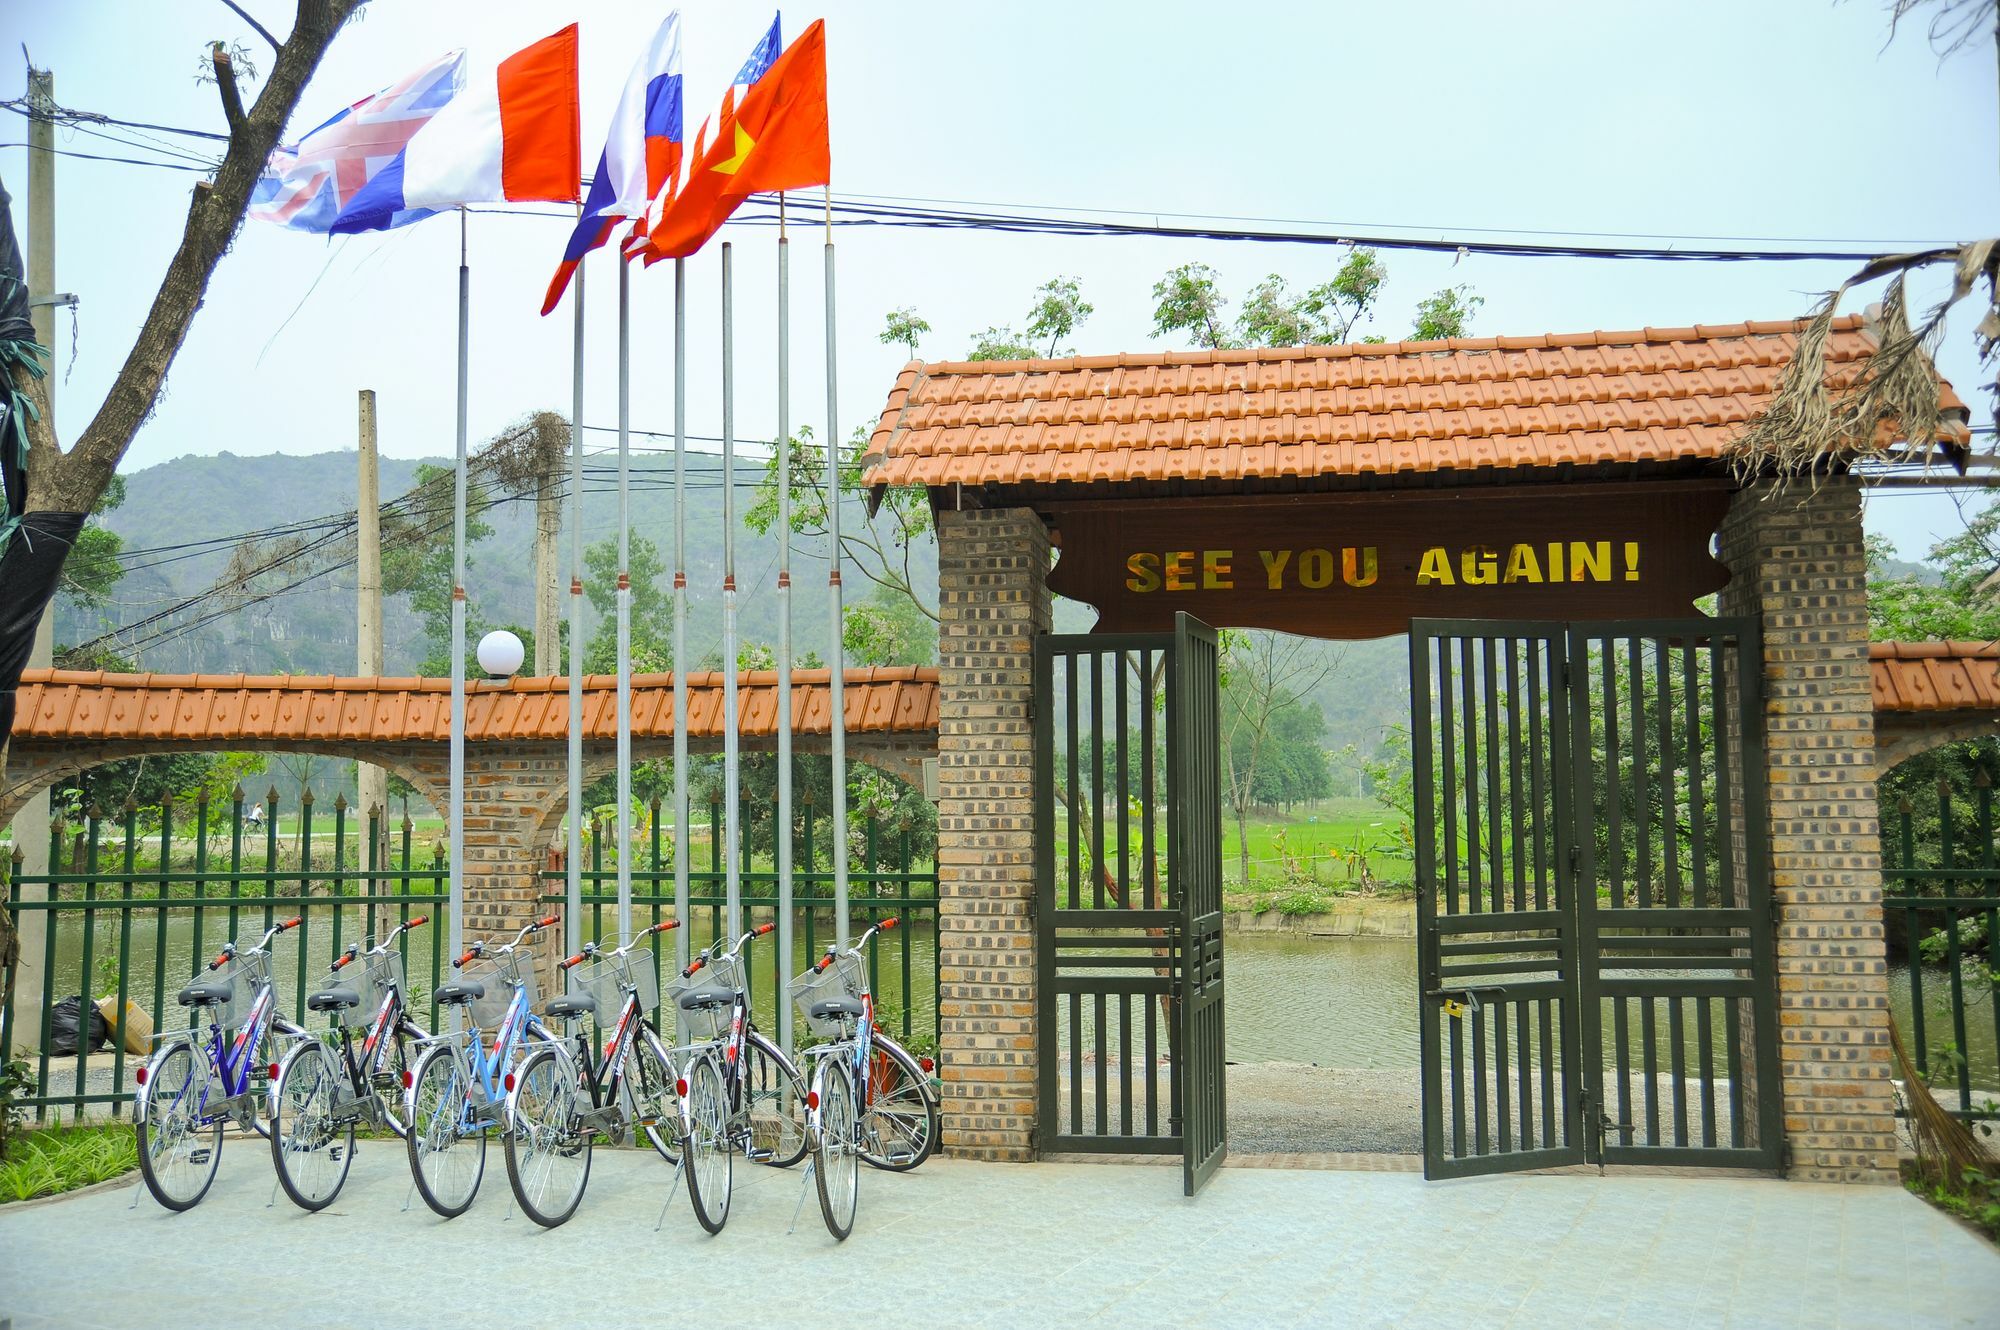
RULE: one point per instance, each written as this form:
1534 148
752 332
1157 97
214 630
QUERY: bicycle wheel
774 1096
899 1124
705 1142
836 1155
388 1081
446 1160
649 1094
311 1151
177 1151
548 1151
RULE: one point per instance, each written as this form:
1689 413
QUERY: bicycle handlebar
231 949
478 949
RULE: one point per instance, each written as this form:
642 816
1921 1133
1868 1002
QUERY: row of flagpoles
439 140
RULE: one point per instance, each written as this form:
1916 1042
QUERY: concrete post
372 781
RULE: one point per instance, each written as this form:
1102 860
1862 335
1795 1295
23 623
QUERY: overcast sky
1774 120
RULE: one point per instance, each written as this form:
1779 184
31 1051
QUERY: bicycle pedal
492 1112
757 1156
198 1156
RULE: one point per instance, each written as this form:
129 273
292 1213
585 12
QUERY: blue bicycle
457 1091
186 1096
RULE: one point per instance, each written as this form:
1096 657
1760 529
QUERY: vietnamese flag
775 139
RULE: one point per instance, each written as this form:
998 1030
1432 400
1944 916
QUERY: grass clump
59 1159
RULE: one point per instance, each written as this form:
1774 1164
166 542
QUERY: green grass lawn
60 1159
1332 840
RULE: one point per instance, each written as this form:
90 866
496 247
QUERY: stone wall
1797 563
993 600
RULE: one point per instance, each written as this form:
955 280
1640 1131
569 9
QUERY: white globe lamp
500 654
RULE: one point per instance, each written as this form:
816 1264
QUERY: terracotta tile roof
90 704
1935 676
1652 395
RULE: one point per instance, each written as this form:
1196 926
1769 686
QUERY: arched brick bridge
517 736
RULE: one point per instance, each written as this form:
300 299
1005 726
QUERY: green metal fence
136 904
885 880
1942 904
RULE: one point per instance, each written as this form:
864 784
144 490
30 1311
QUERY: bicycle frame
606 1076
230 1060
391 1017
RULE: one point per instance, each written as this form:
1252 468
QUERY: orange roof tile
1652 395
1935 676
90 704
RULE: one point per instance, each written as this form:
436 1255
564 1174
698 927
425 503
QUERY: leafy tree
1001 343
878 548
652 607
417 566
1189 301
1446 313
888 629
1958 606
1263 676
1058 311
93 567
903 327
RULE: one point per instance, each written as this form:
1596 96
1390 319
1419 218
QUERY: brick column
512 792
993 599
1796 561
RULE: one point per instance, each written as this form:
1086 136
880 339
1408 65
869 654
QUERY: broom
1946 1147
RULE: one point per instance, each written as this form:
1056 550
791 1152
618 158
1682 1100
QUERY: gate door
1496 927
1128 895
1594 929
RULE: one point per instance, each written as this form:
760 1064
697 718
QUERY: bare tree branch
255 26
225 87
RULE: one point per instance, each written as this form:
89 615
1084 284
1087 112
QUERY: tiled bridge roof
91 705
1654 395
1935 676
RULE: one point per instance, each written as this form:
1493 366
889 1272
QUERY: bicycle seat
571 1004
703 999
333 999
462 990
831 1007
207 993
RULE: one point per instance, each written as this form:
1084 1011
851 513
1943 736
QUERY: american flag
305 185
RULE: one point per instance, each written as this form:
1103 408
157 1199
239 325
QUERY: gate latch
1458 1002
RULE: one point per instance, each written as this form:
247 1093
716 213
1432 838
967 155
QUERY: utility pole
31 824
548 534
372 780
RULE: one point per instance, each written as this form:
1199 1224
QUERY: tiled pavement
1055 1244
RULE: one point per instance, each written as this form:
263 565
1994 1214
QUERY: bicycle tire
162 1126
774 1098
836 1147
705 1143
446 1163
649 1088
891 1116
388 1083
548 1153
310 1151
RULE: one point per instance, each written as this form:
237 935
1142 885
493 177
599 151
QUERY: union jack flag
305 185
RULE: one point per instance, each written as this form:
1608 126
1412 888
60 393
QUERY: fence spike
306 795
201 797
340 801
237 793
130 806
1904 806
271 797
1944 787
95 812
1981 779
19 855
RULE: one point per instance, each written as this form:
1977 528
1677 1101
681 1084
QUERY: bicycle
834 997
457 1091
558 1100
175 1113
318 1097
738 1092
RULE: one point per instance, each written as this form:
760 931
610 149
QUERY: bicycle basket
502 977
606 980
700 1026
846 977
244 974
377 976
355 1017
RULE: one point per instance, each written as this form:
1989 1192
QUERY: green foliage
418 566
93 567
903 327
1189 301
59 1159
1958 606
652 607
1058 311
888 629
1973 1197
1446 313
14 1079
1001 343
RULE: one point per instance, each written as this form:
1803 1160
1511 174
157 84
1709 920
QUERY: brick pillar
510 792
993 600
1796 561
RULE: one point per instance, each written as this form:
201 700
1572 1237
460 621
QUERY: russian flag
642 152
512 135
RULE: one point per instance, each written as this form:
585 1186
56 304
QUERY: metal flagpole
783 823
683 946
836 678
573 851
732 869
624 758
456 814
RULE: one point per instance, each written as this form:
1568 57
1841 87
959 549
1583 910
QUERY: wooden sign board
1363 565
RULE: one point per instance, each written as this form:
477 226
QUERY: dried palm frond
1946 1147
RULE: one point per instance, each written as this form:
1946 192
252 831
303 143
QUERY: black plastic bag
63 1023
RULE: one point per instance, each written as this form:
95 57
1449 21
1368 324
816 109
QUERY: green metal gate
1594 923
1128 865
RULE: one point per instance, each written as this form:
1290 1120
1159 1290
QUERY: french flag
511 135
641 157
